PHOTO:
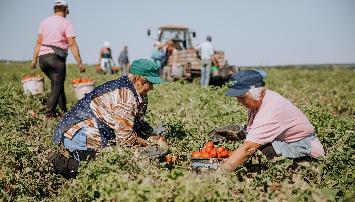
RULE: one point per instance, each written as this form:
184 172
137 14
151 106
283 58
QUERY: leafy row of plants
189 112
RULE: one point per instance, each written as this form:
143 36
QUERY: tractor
184 62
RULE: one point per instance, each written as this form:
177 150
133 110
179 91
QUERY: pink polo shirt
278 119
55 30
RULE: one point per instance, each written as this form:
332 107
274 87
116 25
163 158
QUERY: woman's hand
156 138
142 142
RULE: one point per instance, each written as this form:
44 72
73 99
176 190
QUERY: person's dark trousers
55 69
68 166
268 151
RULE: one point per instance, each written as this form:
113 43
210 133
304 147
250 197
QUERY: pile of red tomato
210 151
29 76
82 80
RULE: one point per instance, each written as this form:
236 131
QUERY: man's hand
229 132
81 67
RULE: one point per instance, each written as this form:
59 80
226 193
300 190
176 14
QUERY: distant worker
105 58
215 67
156 55
171 57
178 41
123 61
55 35
164 55
275 126
206 51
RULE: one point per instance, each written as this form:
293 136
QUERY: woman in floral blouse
112 112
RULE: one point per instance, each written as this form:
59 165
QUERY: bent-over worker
112 112
275 126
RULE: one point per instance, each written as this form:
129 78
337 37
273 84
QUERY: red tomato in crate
75 81
196 154
26 77
209 144
205 155
208 150
214 153
225 154
220 149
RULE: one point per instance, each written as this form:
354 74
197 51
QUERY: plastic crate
206 164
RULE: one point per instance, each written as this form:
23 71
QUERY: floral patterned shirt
118 109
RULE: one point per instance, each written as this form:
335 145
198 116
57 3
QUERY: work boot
67 167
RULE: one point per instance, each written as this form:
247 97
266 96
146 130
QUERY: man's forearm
36 52
240 155
237 159
75 51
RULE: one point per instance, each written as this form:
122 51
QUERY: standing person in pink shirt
275 126
55 35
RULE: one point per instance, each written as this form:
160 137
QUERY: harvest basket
33 85
81 89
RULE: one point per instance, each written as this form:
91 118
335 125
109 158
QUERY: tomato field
325 95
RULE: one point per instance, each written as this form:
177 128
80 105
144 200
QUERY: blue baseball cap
242 81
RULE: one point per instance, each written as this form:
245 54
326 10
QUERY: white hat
60 3
107 44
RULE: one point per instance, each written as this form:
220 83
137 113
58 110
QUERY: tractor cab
185 62
178 34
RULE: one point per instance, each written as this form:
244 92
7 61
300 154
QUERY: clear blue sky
251 32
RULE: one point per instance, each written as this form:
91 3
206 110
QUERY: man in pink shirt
55 35
275 126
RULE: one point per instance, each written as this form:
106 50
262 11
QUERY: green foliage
120 174
24 146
